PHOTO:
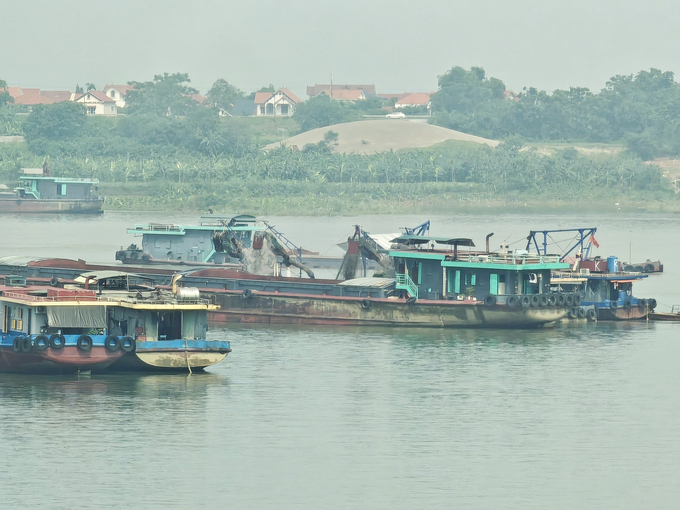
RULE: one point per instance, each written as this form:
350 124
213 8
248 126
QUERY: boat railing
404 282
157 227
510 259
107 299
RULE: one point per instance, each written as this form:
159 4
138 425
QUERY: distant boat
39 192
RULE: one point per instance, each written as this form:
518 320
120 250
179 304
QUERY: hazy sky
397 45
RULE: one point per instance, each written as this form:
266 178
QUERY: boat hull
66 360
313 310
622 314
51 206
172 356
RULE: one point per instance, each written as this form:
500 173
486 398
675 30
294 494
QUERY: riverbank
338 199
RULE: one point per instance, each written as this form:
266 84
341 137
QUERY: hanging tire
525 301
127 344
112 343
561 299
649 268
614 305
642 304
573 313
578 299
84 343
490 300
592 315
626 305
535 300
26 344
569 300
53 281
365 304
581 312
57 342
411 300
513 301
639 269
41 343
552 300
543 300
16 344
651 303
247 293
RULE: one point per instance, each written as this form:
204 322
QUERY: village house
32 97
117 93
417 100
335 91
276 104
97 103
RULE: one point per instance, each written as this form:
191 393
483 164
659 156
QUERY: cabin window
61 190
91 110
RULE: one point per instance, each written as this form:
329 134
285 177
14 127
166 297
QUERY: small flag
594 241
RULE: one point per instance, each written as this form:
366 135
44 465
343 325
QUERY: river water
578 416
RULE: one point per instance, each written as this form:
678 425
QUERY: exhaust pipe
175 279
487 241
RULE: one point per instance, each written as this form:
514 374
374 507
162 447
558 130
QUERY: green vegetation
170 153
642 111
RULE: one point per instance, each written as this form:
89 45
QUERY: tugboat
39 192
122 323
605 292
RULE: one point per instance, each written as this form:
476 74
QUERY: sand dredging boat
112 321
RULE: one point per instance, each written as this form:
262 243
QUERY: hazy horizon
397 46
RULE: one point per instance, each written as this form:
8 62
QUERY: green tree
5 97
90 86
223 94
167 94
79 89
322 111
55 121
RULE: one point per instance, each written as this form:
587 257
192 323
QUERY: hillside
373 136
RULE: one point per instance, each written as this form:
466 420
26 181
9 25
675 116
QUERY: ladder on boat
404 282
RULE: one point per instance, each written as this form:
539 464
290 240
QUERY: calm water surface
572 417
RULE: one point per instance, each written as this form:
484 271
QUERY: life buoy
513 301
365 304
490 300
247 293
592 315
127 344
525 301
581 312
57 341
535 300
543 300
41 343
84 343
112 343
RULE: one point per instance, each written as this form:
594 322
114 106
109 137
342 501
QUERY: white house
117 93
277 104
97 103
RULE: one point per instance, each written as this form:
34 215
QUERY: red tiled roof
262 97
199 98
97 95
419 98
312 91
344 94
30 97
57 96
123 89
291 95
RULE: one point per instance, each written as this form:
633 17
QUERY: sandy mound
371 136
